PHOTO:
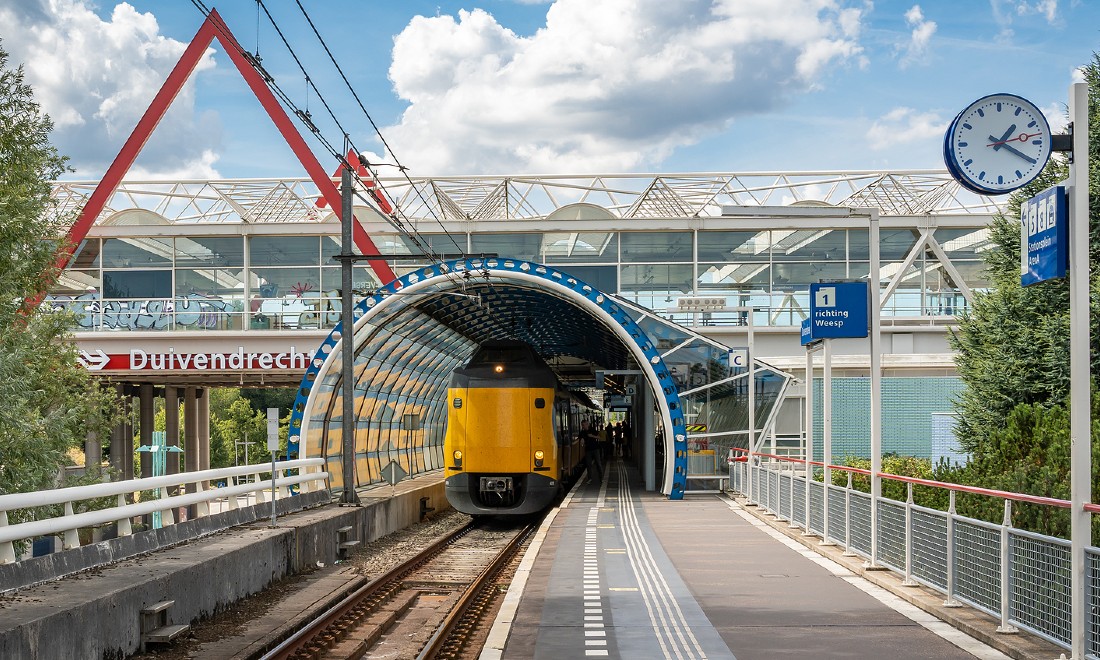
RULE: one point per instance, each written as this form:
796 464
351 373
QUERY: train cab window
540 402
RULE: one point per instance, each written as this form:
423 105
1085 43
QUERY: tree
50 402
1013 354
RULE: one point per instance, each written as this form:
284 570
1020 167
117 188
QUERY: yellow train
511 442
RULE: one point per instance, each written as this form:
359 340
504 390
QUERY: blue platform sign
1044 236
839 309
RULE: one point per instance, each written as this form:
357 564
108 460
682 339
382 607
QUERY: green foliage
50 401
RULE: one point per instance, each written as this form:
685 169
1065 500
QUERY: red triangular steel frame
215 28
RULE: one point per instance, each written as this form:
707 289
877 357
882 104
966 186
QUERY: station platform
623 573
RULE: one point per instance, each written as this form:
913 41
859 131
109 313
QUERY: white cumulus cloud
905 125
919 37
95 78
611 85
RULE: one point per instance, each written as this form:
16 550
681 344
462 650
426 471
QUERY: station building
185 285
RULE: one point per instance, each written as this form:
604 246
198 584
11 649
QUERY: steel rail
443 632
288 647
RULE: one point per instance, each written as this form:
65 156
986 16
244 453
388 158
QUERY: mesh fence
1040 585
891 534
977 566
930 547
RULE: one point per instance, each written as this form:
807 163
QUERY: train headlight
458 458
538 458
499 368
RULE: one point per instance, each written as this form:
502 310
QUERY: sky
508 87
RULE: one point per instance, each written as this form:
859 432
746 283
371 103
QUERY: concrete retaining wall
97 614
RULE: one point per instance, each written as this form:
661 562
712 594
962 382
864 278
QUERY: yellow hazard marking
623 589
616 552
605 526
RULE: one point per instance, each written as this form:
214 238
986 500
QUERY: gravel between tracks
371 559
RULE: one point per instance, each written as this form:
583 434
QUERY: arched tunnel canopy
410 334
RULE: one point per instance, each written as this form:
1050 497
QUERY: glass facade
276 281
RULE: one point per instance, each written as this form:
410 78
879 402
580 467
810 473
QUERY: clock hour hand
1010 148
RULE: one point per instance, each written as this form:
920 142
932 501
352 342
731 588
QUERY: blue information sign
1044 236
839 309
807 335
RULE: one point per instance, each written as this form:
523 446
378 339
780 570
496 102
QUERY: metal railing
309 477
1020 577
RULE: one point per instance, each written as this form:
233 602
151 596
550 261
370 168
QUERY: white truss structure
502 198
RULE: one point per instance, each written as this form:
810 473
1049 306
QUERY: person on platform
591 452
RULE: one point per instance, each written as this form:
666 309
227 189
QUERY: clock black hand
1010 148
998 143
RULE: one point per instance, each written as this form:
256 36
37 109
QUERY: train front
500 451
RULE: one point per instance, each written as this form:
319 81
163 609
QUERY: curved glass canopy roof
414 331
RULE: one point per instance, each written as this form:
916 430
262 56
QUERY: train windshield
501 355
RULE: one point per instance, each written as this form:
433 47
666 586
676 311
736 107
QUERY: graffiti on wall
193 311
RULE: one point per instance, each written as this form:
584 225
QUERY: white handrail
311 474
75 493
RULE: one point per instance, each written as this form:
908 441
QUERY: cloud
905 125
96 77
611 85
1006 11
922 31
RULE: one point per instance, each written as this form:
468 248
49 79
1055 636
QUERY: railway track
426 607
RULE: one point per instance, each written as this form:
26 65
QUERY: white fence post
951 601
848 518
72 536
1006 572
909 581
7 549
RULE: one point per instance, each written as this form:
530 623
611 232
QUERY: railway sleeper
358 640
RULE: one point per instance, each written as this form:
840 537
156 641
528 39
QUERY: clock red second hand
1022 137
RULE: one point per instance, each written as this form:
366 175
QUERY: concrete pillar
172 426
203 414
145 426
190 432
118 434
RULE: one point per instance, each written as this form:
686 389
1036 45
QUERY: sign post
273 447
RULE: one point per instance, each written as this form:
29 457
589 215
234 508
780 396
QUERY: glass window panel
137 284
86 255
77 283
516 246
399 244
967 243
799 276
733 246
603 278
363 280
657 278
975 273
858 246
640 246
210 251
137 252
286 282
811 245
284 250
580 247
734 277
894 244
210 281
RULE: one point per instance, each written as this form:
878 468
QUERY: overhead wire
306 119
400 167
347 137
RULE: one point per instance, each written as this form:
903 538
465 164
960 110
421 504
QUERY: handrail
311 475
973 490
74 493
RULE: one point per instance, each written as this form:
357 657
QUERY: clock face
997 144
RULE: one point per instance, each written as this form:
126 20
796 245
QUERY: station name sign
1044 236
239 360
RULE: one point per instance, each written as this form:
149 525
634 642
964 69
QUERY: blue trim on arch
614 311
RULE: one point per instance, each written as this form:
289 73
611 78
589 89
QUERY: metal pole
752 410
1080 376
809 434
827 435
347 342
876 382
